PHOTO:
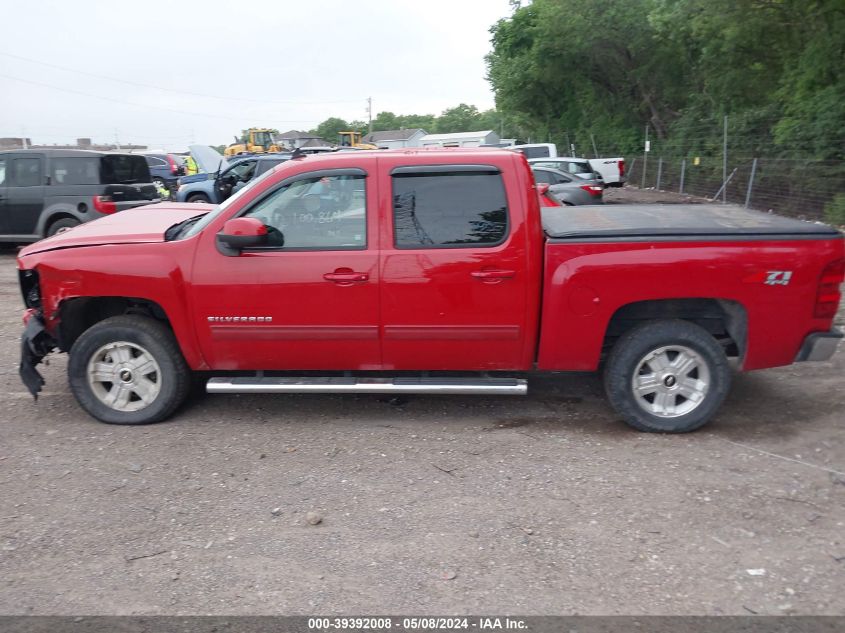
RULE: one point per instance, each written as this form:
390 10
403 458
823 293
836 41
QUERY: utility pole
116 142
725 163
595 151
23 137
645 156
370 113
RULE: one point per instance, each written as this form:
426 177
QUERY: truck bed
627 222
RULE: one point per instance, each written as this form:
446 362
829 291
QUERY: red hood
135 226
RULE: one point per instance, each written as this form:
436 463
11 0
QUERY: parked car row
46 191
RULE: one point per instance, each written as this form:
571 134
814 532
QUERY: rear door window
443 209
26 172
75 170
124 169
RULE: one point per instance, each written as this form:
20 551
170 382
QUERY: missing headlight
30 289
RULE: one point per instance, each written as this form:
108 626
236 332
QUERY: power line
175 90
141 105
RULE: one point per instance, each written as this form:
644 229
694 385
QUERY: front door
454 271
24 193
307 300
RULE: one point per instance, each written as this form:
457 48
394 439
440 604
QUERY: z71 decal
778 277
770 277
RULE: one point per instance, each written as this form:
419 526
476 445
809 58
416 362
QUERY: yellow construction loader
258 141
353 139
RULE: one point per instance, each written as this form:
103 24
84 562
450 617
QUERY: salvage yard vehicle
569 188
575 166
426 271
46 191
216 187
165 169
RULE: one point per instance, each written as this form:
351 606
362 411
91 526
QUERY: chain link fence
796 187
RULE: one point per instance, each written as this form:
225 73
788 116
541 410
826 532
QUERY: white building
460 139
394 139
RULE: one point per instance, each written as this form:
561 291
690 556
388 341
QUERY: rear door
454 285
24 193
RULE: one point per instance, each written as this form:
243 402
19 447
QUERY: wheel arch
726 320
79 313
59 212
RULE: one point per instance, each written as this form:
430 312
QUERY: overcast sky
203 70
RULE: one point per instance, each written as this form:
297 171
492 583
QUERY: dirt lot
540 505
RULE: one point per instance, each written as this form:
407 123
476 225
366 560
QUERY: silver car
578 166
569 188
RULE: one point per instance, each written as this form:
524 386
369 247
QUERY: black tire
198 197
173 375
61 224
630 355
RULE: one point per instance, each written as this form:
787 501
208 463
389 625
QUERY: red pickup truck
425 271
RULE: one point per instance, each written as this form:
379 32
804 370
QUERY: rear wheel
198 197
667 377
60 225
128 370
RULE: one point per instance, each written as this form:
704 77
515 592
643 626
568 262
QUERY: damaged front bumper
36 343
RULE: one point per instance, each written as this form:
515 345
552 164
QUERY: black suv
43 191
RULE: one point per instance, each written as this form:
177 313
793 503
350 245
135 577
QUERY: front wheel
667 377
128 370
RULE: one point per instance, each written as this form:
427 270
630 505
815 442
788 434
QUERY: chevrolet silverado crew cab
425 271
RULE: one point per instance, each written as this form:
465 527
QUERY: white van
537 150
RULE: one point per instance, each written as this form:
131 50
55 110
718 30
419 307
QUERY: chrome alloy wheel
124 376
671 381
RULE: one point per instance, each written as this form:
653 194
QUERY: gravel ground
539 505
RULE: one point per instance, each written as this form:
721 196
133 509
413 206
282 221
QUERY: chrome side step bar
446 386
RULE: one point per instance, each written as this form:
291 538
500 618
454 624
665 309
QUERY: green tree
461 118
329 129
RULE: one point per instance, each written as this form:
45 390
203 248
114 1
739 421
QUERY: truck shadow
760 404
766 404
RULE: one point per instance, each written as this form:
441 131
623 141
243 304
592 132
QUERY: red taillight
830 292
104 204
621 168
593 190
174 168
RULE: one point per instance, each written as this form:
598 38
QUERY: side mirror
543 188
241 233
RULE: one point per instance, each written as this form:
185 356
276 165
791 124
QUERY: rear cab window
449 206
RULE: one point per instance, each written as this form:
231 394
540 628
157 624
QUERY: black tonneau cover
674 221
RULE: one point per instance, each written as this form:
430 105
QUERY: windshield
221 208
262 138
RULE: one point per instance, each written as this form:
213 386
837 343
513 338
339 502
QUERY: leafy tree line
461 118
566 69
